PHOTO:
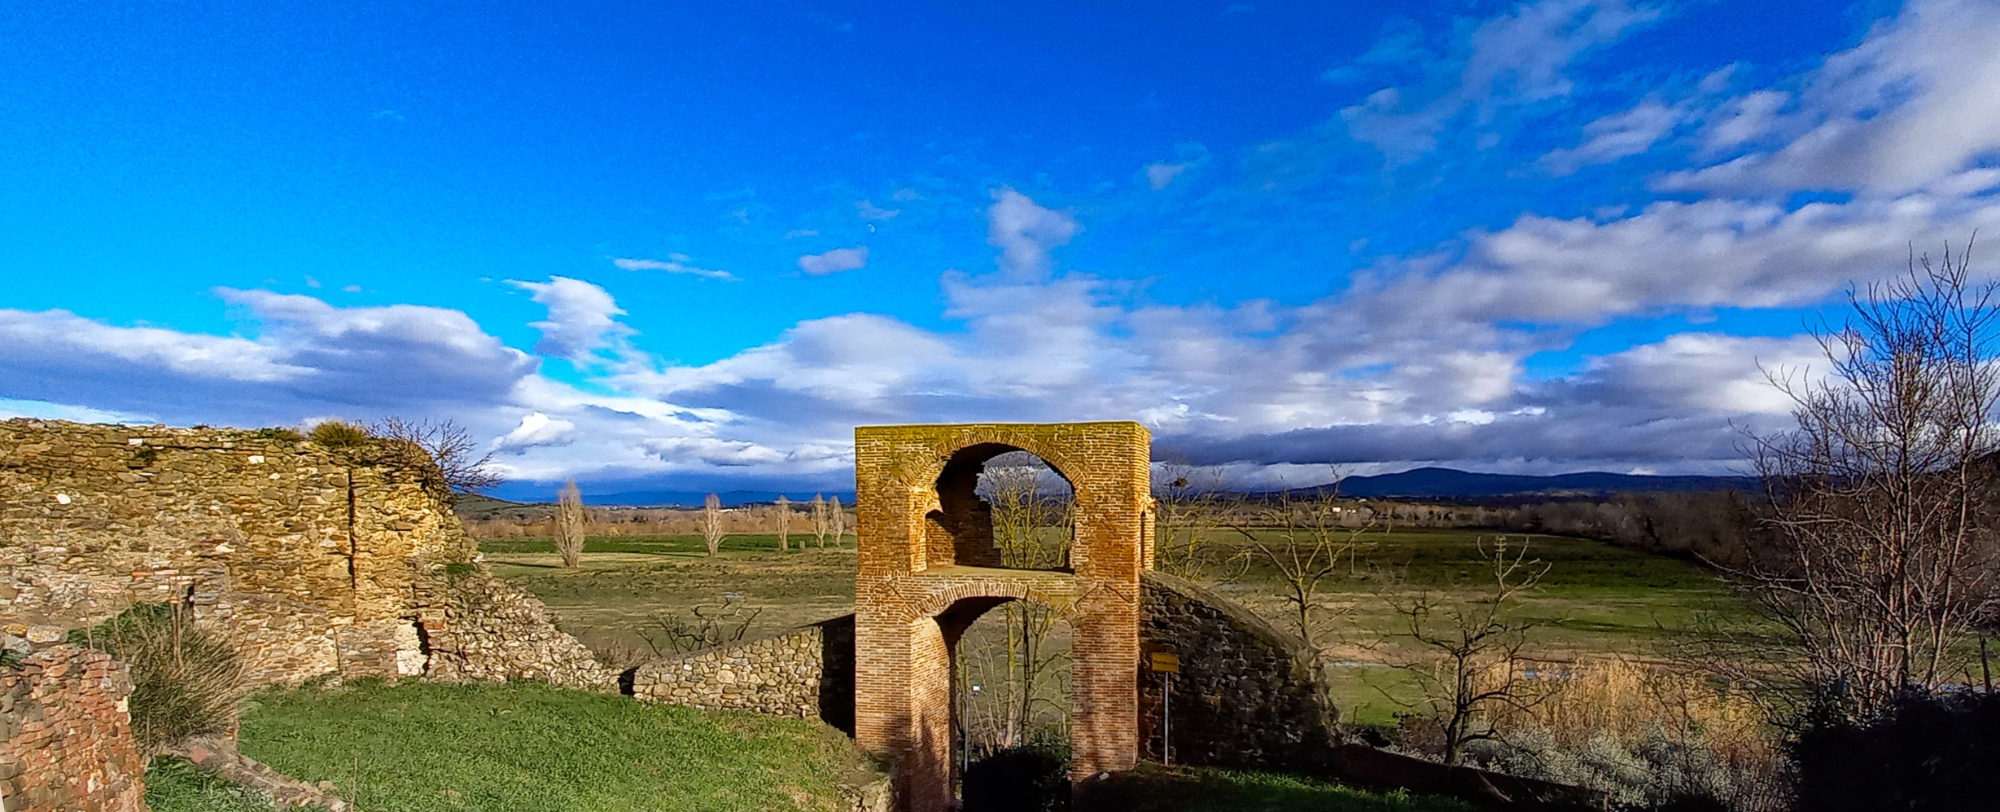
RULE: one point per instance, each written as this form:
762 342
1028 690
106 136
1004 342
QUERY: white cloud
1912 104
44 410
834 261
1024 232
1516 59
537 429
869 211
583 319
675 263
1619 135
1160 175
711 451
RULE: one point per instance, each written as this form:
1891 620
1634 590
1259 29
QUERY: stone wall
315 560
807 674
479 629
65 737
1247 695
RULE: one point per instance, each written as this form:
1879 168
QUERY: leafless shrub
465 468
701 627
569 524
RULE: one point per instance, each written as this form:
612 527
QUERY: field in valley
1596 599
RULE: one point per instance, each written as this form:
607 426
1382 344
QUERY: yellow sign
1164 663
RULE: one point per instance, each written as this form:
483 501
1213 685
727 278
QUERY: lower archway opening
1014 710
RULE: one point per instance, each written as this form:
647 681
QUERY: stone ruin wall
807 673
315 561
65 737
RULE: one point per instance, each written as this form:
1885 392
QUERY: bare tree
569 524
1027 500
784 524
1471 668
712 531
1882 556
836 519
1304 540
1032 512
819 520
465 469
1187 510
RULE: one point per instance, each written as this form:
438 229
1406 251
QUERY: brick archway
928 567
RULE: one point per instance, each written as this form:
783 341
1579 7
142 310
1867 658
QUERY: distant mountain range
1448 483
1420 483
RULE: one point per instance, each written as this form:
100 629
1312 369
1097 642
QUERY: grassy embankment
1596 600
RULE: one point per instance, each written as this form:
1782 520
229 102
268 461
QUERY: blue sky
694 245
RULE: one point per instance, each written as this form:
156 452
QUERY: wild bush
186 680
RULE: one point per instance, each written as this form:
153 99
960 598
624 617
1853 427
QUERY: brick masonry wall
65 737
1247 695
806 674
314 560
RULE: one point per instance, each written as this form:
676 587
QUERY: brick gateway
928 568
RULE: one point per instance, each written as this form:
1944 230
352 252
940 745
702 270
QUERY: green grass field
526 747
1596 599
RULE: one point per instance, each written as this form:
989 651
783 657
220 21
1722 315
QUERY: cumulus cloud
583 319
834 261
674 263
1025 232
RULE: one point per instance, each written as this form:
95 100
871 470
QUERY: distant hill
1449 483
